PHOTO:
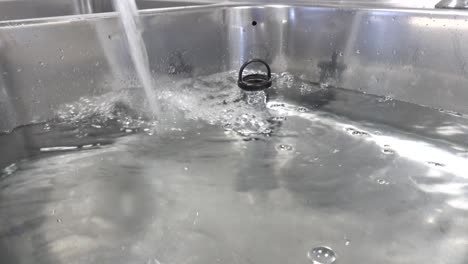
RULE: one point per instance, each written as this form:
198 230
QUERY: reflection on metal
453 4
331 70
93 6
386 51
27 9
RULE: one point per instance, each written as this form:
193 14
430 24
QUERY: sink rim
230 5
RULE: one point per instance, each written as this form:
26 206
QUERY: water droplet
340 54
382 182
59 220
62 57
42 63
284 147
321 255
358 51
386 99
347 242
19 70
186 168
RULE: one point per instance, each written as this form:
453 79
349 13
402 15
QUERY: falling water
128 13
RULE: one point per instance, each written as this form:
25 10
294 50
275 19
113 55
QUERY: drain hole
254 23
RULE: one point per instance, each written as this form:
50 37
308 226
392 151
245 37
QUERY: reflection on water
228 178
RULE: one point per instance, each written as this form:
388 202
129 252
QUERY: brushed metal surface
29 9
411 55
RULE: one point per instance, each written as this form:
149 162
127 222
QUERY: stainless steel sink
412 55
415 60
27 9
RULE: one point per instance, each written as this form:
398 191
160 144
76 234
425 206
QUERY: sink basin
27 9
360 154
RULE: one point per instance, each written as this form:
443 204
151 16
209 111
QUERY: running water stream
129 18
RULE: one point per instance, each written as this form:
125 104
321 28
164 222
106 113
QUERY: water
234 179
132 27
322 255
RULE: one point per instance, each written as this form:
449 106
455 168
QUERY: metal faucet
453 4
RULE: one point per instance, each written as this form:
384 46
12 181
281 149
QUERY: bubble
386 99
284 147
358 51
321 255
382 182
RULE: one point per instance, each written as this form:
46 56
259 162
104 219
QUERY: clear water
131 25
235 178
322 255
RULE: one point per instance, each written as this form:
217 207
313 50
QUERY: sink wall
410 55
29 9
